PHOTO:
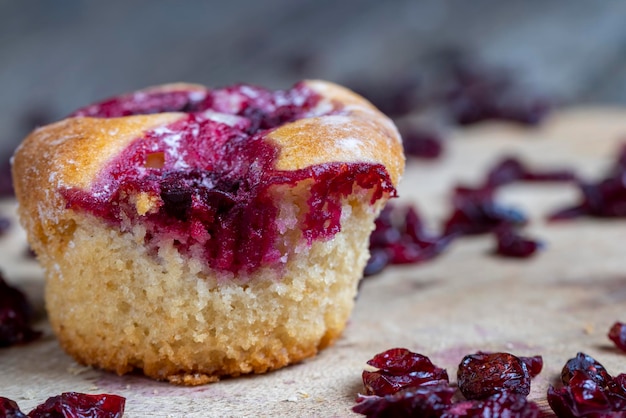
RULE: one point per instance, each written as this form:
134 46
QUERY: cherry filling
206 181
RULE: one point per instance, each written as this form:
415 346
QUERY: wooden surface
556 304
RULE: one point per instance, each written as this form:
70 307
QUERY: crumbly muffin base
116 306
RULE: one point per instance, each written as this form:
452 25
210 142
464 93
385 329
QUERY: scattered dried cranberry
400 238
476 212
422 143
617 392
427 401
15 317
400 368
481 375
617 334
511 244
408 384
395 98
9 409
603 199
510 170
478 94
587 365
80 405
582 396
500 405
588 391
534 365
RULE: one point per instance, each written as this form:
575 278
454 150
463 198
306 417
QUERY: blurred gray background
59 55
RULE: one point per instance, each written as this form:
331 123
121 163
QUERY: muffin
193 233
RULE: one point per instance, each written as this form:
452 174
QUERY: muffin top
203 167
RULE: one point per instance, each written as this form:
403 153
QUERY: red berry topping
213 174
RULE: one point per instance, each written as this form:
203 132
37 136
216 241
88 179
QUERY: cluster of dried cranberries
466 92
69 405
409 384
400 238
588 390
603 199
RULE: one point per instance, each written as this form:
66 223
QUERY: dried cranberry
476 212
422 143
511 170
500 405
534 365
427 401
9 409
617 334
588 366
581 397
400 368
15 317
479 94
394 98
400 238
481 375
80 405
604 199
511 244
616 392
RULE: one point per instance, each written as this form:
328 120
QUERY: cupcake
193 233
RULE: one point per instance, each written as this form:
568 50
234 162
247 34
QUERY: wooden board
558 303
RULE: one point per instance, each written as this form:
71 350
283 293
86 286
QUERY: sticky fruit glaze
209 176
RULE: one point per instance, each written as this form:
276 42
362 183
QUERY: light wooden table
558 303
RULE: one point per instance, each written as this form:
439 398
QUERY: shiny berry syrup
208 178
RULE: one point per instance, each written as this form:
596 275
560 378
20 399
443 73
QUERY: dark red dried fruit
426 401
616 392
510 170
534 365
15 317
478 94
9 409
80 405
400 368
400 238
588 391
582 397
511 244
476 212
422 143
481 375
394 98
587 365
617 334
500 405
603 199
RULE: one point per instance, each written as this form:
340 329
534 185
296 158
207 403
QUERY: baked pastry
194 233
